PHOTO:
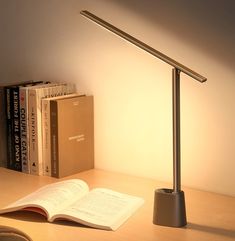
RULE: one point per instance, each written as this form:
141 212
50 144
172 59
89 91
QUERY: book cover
35 97
72 135
72 200
46 131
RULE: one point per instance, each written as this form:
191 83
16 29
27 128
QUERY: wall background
49 40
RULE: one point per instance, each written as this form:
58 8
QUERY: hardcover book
72 200
72 135
46 131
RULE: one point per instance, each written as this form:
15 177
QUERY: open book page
102 208
51 198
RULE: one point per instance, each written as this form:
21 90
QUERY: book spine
24 130
3 139
54 139
9 128
33 147
16 129
46 141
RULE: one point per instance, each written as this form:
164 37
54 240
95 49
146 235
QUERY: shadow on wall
208 25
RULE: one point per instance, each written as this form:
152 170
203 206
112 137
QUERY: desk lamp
169 204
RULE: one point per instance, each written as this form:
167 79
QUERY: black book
15 122
9 127
3 139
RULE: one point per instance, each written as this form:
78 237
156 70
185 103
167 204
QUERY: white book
46 131
35 97
72 200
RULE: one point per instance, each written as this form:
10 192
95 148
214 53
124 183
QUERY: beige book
46 131
72 135
72 200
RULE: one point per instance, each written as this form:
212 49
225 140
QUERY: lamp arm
143 46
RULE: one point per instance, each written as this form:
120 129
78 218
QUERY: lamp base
169 208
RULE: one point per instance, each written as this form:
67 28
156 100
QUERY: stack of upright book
47 128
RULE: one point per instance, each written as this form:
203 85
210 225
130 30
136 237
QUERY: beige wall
49 40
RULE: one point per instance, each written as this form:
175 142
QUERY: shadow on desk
26 216
210 229
38 218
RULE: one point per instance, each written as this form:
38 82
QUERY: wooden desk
210 216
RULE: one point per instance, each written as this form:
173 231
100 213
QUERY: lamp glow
169 204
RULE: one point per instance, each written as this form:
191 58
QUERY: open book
71 199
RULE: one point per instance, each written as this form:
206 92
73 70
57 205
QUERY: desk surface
210 216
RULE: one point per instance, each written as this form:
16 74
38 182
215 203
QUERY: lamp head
142 45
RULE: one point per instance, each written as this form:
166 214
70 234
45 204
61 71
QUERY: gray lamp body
169 208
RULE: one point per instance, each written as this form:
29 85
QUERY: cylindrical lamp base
169 208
